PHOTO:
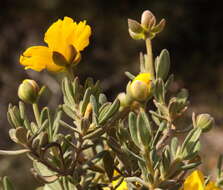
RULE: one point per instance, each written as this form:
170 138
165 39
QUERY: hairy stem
149 61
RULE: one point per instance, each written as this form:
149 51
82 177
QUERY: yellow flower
65 39
195 181
141 86
122 186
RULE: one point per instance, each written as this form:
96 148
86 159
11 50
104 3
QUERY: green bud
28 91
124 99
205 122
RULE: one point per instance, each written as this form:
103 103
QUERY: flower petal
66 32
211 186
80 39
35 57
57 36
38 58
194 181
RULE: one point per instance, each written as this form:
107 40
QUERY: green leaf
162 108
68 91
162 64
129 75
174 146
219 166
102 99
159 91
169 81
159 132
133 128
69 111
7 184
111 111
95 108
86 100
190 166
21 135
144 130
44 114
190 142
13 152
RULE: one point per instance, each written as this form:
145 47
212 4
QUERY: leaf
21 135
7 184
68 91
109 166
13 152
133 128
189 144
86 100
144 130
159 91
169 81
111 111
69 111
102 99
129 75
162 64
173 146
162 108
95 108
44 114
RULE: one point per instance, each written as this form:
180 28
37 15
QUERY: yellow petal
38 58
80 39
211 186
66 32
122 186
144 77
35 58
194 181
57 35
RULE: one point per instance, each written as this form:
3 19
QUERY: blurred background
193 36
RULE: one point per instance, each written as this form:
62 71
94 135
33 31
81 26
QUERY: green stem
36 114
70 72
149 61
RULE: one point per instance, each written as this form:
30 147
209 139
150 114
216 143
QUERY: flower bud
140 87
148 19
205 122
124 99
28 91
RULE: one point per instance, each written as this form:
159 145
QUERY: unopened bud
205 122
141 87
28 91
124 99
148 19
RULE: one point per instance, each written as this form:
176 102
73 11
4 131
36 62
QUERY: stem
70 73
167 135
37 114
149 61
